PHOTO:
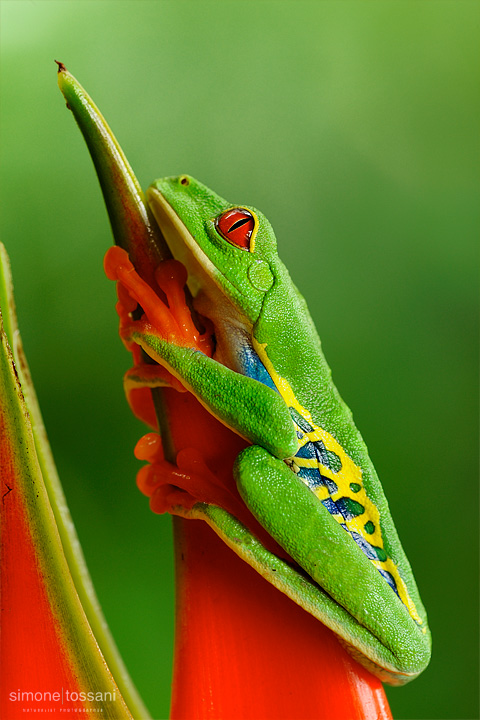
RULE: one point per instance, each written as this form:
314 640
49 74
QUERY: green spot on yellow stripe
352 506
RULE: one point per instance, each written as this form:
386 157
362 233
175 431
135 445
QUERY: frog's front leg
251 409
248 407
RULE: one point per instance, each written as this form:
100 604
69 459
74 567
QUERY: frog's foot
177 488
172 320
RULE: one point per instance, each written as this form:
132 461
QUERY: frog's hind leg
176 488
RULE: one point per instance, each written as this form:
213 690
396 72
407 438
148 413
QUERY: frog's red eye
237 226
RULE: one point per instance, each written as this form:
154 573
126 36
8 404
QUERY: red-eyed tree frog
306 475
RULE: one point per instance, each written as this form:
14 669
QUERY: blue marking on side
332 509
314 479
364 545
389 578
315 450
253 367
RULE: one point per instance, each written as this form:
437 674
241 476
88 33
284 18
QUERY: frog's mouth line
201 271
203 277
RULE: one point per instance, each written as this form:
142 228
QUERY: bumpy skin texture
325 551
269 382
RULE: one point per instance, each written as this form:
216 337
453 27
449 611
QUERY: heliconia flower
242 649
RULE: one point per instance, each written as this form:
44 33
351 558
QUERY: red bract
243 650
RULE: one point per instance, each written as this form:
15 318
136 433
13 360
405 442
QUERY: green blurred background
353 126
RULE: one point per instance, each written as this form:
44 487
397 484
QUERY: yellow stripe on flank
348 473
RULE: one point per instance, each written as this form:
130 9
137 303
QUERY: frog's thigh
294 516
279 500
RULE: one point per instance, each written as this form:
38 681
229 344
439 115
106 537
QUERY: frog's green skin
307 476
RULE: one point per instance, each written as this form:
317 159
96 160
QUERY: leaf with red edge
50 655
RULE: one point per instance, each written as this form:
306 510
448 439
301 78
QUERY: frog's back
332 458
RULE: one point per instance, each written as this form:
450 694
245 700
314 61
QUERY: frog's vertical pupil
236 226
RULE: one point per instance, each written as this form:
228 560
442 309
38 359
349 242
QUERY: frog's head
227 249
